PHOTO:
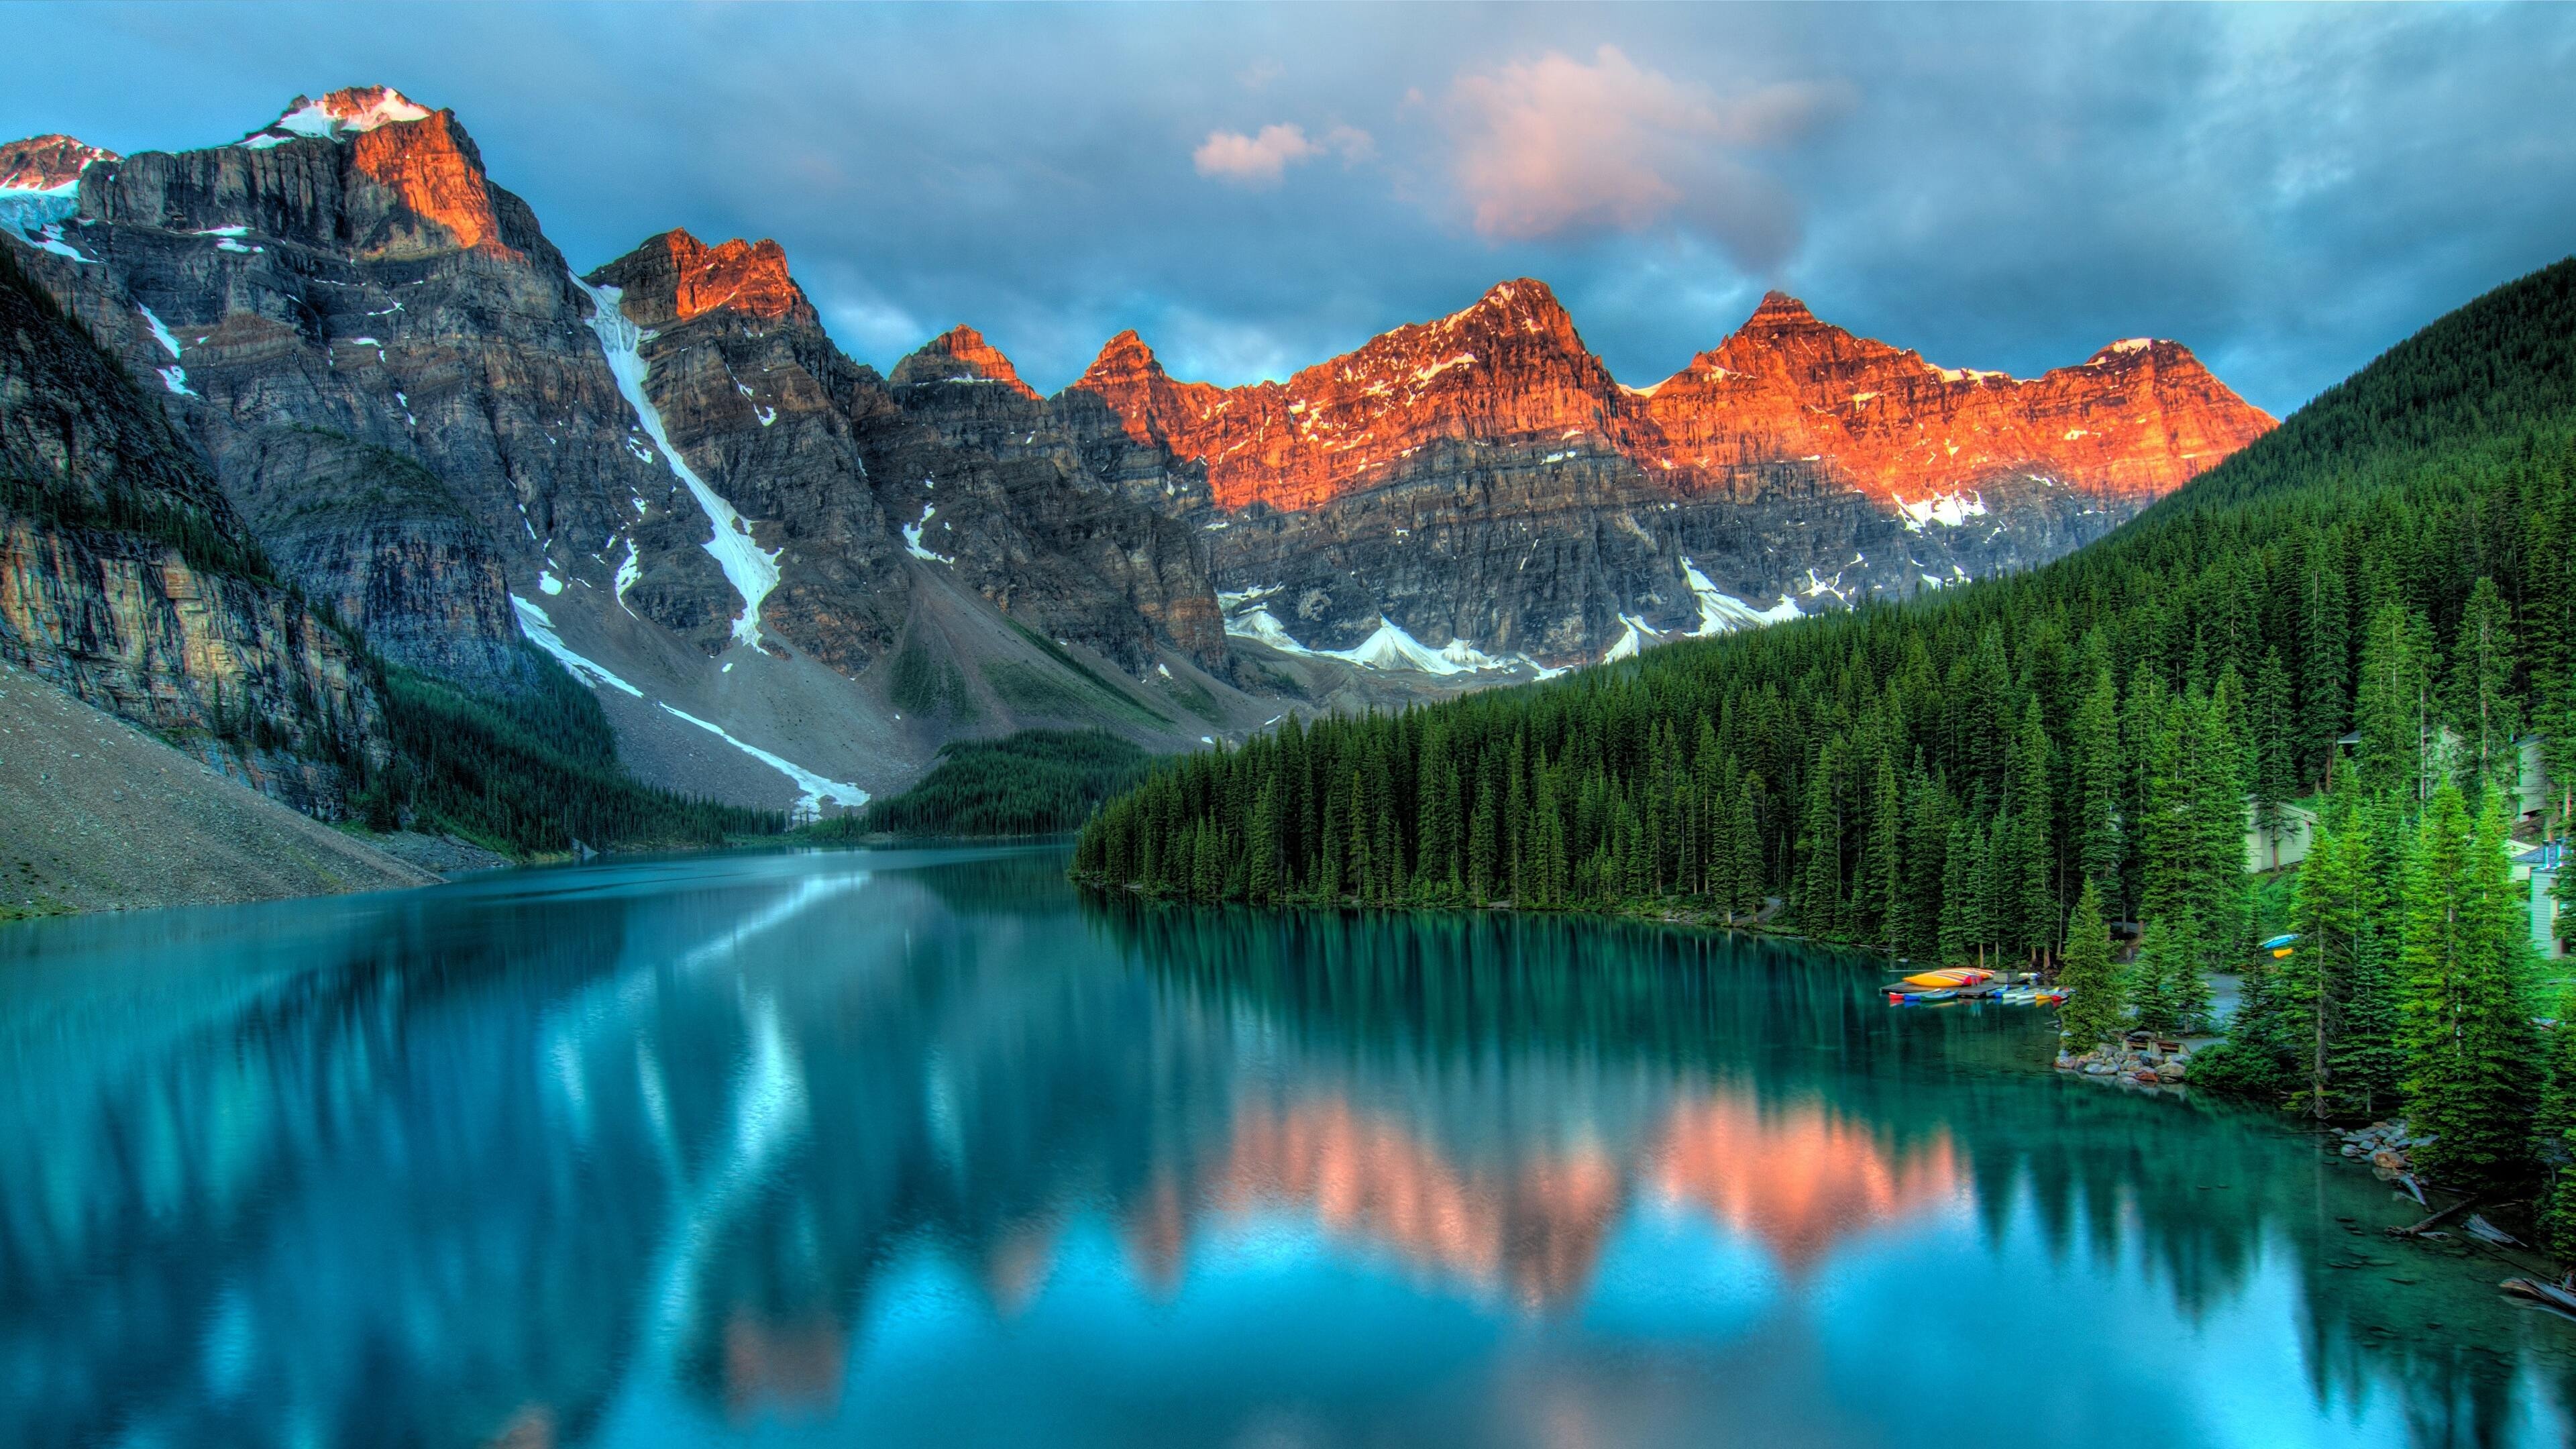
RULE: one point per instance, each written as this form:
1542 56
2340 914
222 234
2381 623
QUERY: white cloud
1554 146
1260 160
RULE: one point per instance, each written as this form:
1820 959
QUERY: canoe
1920 998
1950 977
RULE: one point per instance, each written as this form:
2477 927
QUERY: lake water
926 1148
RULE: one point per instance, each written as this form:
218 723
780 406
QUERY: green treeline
529 775
1945 778
1034 782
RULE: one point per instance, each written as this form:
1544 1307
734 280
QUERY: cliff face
1483 478
756 399
350 268
127 578
994 486
953 463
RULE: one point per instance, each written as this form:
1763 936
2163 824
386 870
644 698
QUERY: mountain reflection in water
924 1148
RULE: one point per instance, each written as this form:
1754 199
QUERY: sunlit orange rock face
1799 1180
748 277
961 354
674 278
42 163
435 172
2135 422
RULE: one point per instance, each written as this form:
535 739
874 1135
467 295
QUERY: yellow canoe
1951 976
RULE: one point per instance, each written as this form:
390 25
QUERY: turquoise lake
929 1148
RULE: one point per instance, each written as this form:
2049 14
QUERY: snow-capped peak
50 164
338 116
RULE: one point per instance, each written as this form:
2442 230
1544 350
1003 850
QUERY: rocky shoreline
2144 1062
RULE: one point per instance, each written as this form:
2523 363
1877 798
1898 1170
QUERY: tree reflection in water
588 1155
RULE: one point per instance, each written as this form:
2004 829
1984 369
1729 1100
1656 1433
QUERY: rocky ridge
759 551
1494 437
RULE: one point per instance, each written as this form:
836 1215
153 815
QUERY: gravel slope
97 815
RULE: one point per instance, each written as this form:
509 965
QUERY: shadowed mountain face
129 579
667 468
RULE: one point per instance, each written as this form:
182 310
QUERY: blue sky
2288 190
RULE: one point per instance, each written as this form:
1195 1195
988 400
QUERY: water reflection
924 1149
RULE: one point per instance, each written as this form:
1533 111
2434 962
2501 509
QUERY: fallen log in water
2547 1295
2419 1229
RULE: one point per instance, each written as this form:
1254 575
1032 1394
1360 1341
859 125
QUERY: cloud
1259 161
1555 146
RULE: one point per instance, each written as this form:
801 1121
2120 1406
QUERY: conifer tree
1959 870
2098 767
2275 754
1750 877
2093 1012
2467 1031
2030 901
1263 887
2325 658
2484 713
1882 873
2554 1133
2170 993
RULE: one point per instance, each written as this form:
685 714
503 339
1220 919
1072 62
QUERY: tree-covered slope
1942 776
1034 782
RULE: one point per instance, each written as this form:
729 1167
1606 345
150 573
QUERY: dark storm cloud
2288 191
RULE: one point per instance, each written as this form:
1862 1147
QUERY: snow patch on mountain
540 629
338 116
1721 612
1389 647
751 569
37 217
1950 510
912 538
816 788
1634 635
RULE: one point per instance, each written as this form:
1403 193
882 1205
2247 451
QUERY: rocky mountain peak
2131 351
423 156
340 115
1779 309
961 354
1124 360
47 163
674 277
1523 304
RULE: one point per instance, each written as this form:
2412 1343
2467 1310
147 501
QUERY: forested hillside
1034 782
1944 777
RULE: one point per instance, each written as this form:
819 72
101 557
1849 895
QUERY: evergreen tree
2098 767
2093 1011
2483 712
2275 753
2324 645
2554 1144
2467 1029
2028 894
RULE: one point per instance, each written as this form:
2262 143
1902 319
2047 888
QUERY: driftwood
2419 1229
2547 1295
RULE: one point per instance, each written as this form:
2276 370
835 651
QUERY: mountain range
789 578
